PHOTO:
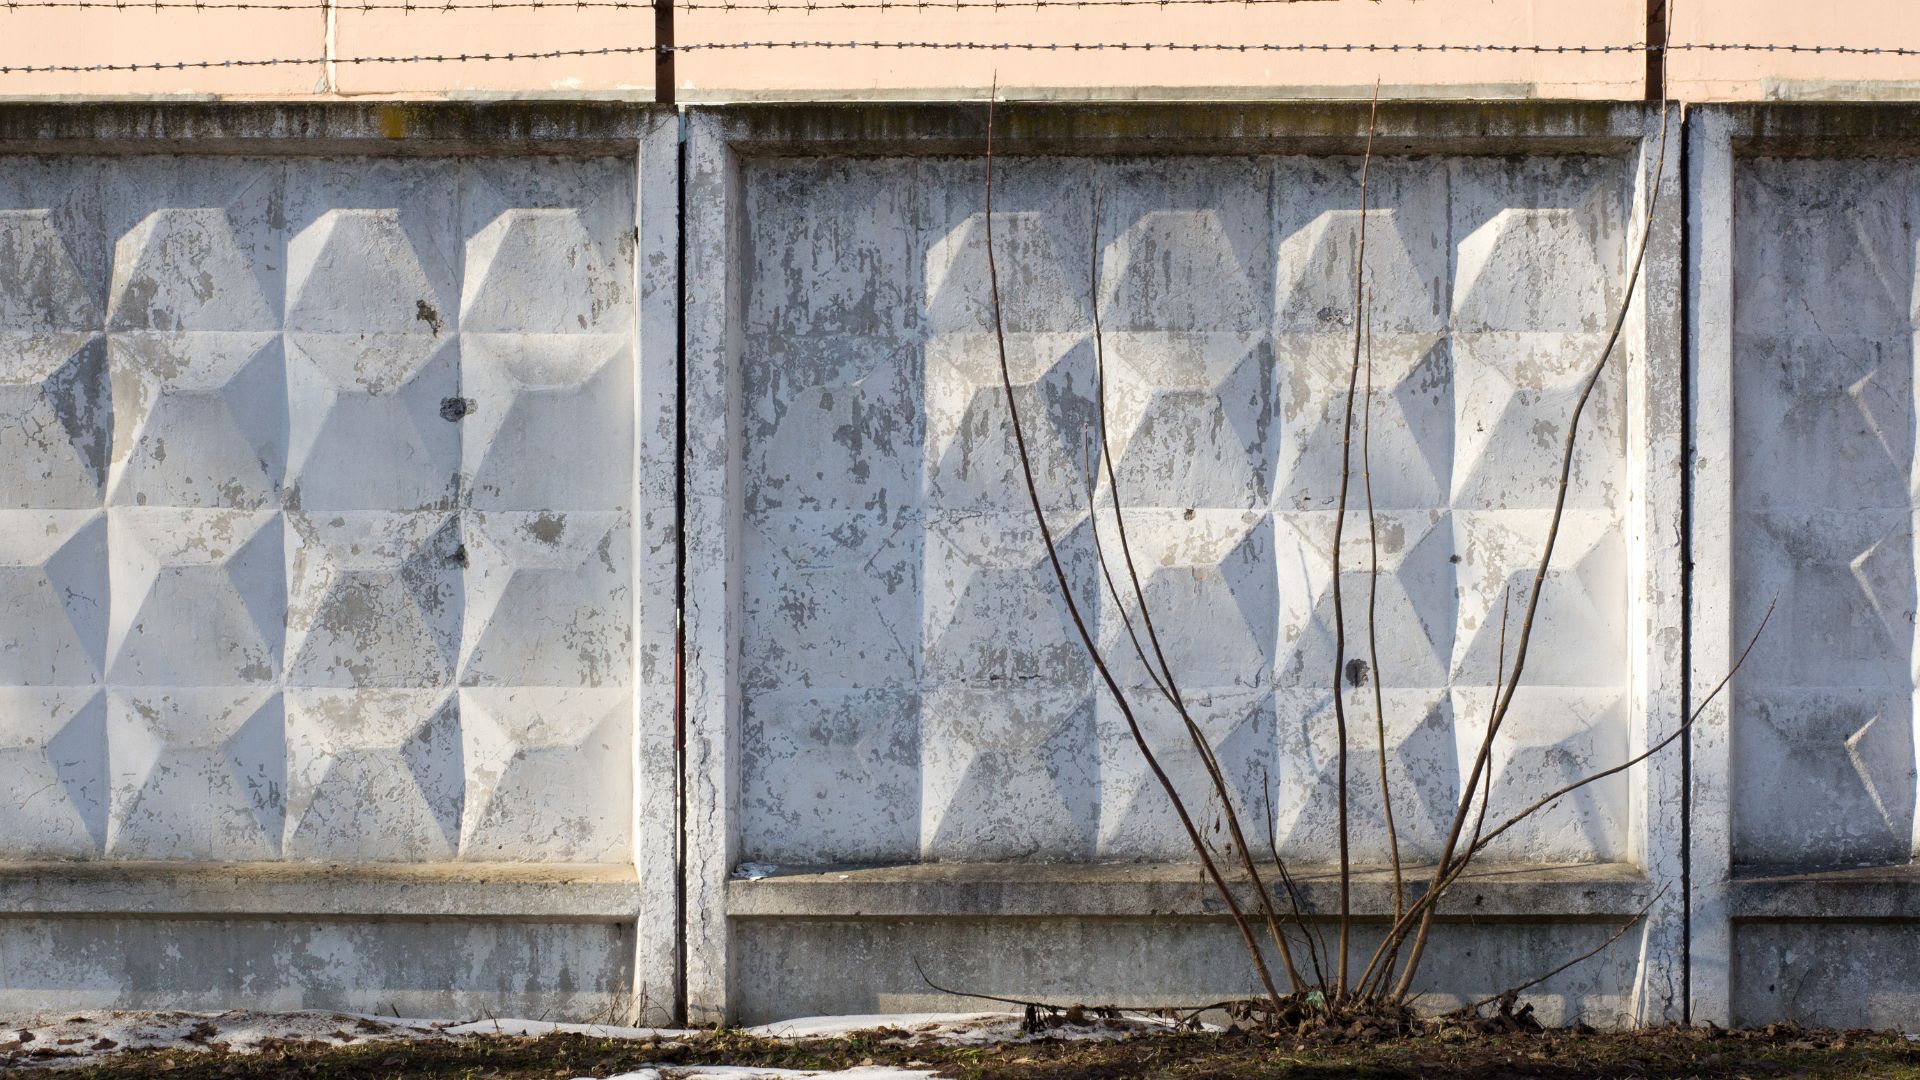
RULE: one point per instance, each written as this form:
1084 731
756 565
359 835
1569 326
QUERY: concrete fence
571 559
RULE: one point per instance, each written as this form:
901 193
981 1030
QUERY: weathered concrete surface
880 668
1805 499
1829 974
320 529
898 615
351 608
861 966
420 966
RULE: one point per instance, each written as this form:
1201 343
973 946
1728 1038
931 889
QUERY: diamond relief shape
1008 774
198 597
41 287
541 271
201 422
54 388
365 270
53 765
53 593
197 773
1209 586
374 775
1553 737
374 599
548 777
1415 594
1136 819
187 269
991 609
546 599
1842 758
1403 432
533 400
368 426
1421 769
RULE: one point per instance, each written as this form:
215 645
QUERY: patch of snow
765 1073
80 1038
544 1027
834 1027
959 1029
74 1038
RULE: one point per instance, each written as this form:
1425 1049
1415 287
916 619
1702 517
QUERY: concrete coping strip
398 128
493 890
1239 129
1135 890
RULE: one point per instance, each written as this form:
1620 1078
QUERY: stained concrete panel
319 507
912 685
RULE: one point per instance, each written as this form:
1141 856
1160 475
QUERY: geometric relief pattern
315 524
1824 499
914 686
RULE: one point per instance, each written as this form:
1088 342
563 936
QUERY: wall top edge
1851 129
1177 127
329 127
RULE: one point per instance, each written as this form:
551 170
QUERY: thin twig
1380 968
1169 685
1582 958
1339 527
1286 882
1373 633
1637 758
1073 608
1424 905
1505 693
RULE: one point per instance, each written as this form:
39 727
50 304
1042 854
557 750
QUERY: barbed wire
961 46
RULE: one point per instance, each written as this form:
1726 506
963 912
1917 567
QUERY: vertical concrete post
1710 238
656 404
1654 461
711 524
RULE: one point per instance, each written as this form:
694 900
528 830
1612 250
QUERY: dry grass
1435 1054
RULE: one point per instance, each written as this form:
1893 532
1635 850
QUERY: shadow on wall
1824 496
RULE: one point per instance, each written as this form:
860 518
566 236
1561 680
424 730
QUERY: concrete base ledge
1852 895
548 893
1133 890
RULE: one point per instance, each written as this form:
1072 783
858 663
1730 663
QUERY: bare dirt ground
1065 1052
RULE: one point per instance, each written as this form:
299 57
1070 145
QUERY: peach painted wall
330 44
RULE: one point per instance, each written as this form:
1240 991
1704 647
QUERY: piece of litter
754 871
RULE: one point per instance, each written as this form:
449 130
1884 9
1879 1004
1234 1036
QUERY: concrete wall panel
1804 774
324 530
881 667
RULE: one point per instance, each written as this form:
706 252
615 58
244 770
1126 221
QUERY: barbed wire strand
962 46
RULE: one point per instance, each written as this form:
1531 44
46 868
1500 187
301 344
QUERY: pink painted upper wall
337 51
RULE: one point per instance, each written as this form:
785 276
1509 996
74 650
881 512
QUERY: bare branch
1170 687
1339 527
1504 695
1581 959
1373 625
1073 608
1637 758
